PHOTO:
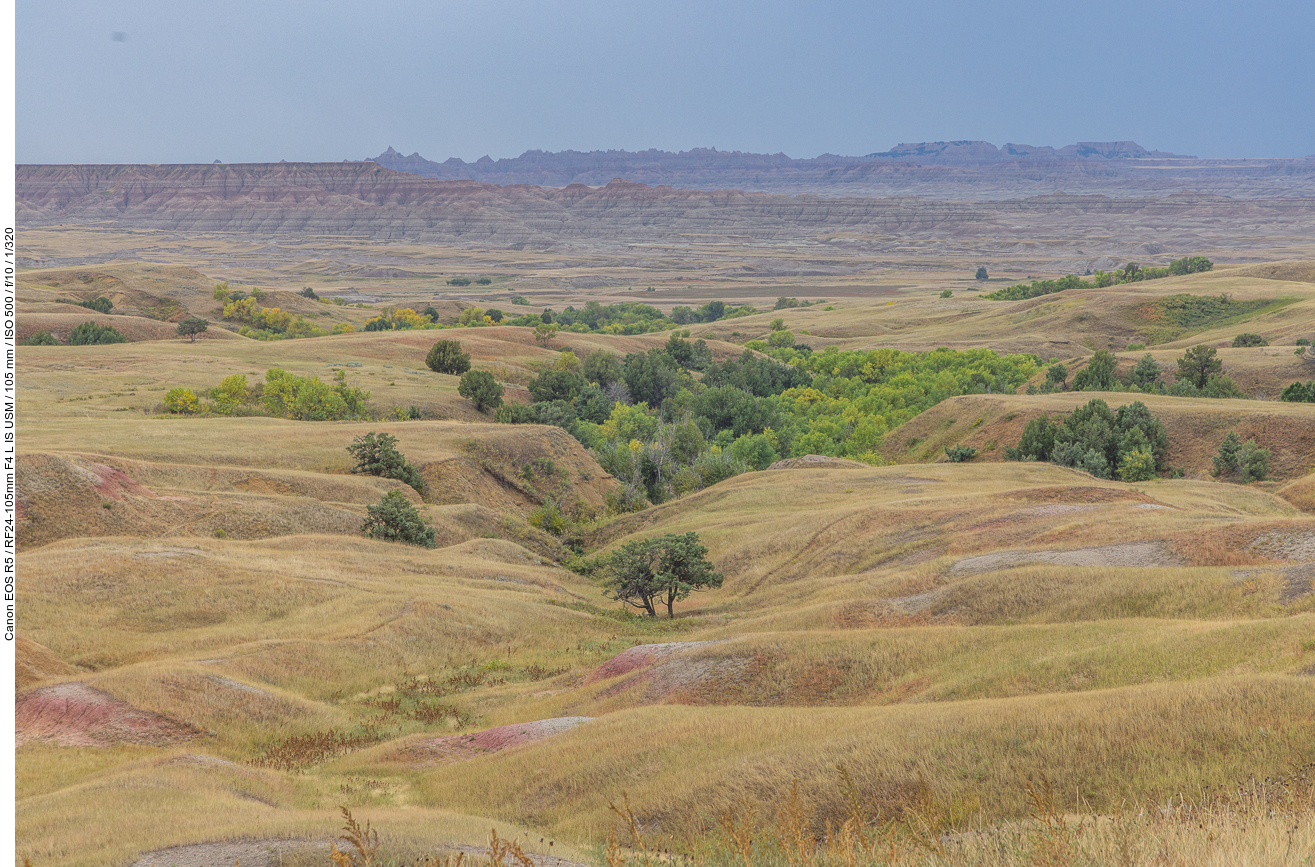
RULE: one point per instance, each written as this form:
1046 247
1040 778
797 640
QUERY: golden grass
848 630
1103 749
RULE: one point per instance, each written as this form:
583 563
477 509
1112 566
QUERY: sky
159 81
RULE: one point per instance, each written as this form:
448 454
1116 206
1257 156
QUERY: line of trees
1132 272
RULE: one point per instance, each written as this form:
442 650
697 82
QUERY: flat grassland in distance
984 662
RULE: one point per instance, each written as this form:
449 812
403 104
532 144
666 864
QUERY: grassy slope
847 630
1195 427
1064 326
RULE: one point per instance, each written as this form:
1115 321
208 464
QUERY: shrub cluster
1129 444
99 304
306 398
402 319
1239 461
282 394
265 323
91 334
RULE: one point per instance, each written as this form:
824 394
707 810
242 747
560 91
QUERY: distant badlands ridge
367 200
960 170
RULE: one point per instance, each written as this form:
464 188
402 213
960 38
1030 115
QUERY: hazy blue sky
248 81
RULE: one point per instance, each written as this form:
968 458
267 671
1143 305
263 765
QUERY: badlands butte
909 659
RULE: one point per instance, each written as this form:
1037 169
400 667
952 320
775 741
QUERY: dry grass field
212 655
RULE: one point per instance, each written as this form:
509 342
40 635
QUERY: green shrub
42 338
91 334
981 274
755 450
946 293
459 281
1242 461
520 300
394 519
1056 376
231 393
446 356
549 518
1137 466
480 386
306 398
100 304
377 455
1249 339
1098 375
1037 443
1299 393
1303 341
960 453
181 401
484 281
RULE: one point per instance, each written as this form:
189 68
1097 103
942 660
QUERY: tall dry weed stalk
364 840
500 850
740 830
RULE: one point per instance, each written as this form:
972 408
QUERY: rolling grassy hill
212 651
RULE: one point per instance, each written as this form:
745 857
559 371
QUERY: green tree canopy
480 387
377 455
1098 375
394 519
1198 364
446 356
192 326
665 569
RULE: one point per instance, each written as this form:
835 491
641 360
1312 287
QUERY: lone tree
1198 364
377 455
446 356
191 327
394 519
482 388
648 572
981 274
543 334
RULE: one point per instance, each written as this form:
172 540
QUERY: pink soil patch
75 715
638 657
457 747
114 483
